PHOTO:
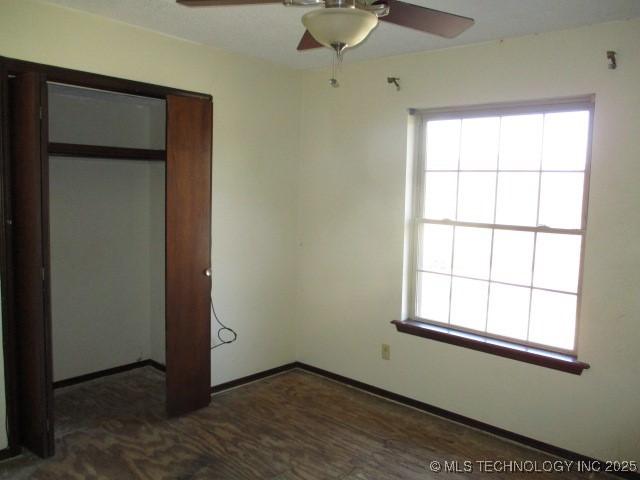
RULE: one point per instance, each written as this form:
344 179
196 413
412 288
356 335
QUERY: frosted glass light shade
339 26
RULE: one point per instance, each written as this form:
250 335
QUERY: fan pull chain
335 60
336 63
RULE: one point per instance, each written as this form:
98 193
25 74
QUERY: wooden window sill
536 356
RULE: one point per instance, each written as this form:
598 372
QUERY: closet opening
106 201
106 231
106 248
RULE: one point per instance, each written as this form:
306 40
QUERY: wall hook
395 81
611 60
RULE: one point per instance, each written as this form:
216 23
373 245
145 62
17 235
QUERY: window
500 218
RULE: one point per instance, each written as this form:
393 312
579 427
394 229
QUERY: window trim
498 109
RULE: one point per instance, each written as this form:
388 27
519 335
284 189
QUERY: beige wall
351 214
255 145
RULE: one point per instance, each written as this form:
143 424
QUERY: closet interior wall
106 233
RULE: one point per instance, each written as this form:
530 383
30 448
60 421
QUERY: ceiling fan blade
425 19
220 3
307 42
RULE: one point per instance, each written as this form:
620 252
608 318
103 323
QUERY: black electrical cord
222 328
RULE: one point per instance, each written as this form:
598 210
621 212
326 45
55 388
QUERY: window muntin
500 221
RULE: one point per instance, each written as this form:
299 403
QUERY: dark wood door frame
30 255
46 258
12 67
6 269
94 80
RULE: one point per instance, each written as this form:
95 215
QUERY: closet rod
98 151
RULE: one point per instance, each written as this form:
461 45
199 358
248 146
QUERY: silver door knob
207 272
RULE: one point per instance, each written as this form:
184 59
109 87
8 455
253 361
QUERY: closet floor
292 426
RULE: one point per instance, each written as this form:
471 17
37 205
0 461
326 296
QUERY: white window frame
585 103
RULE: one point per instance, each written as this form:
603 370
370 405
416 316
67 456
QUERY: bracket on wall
395 81
611 60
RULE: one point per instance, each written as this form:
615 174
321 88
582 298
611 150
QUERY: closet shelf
98 151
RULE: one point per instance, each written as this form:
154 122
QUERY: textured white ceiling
272 32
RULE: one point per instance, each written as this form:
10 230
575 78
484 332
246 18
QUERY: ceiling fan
345 23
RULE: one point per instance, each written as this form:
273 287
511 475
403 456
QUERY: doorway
110 223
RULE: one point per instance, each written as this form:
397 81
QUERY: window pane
553 319
433 296
508 311
524 170
479 144
561 200
517 198
565 141
469 303
440 195
521 142
437 243
472 252
476 197
557 264
512 256
443 144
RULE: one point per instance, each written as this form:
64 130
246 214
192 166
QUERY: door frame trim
6 270
95 80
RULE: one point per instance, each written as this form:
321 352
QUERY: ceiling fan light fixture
339 27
